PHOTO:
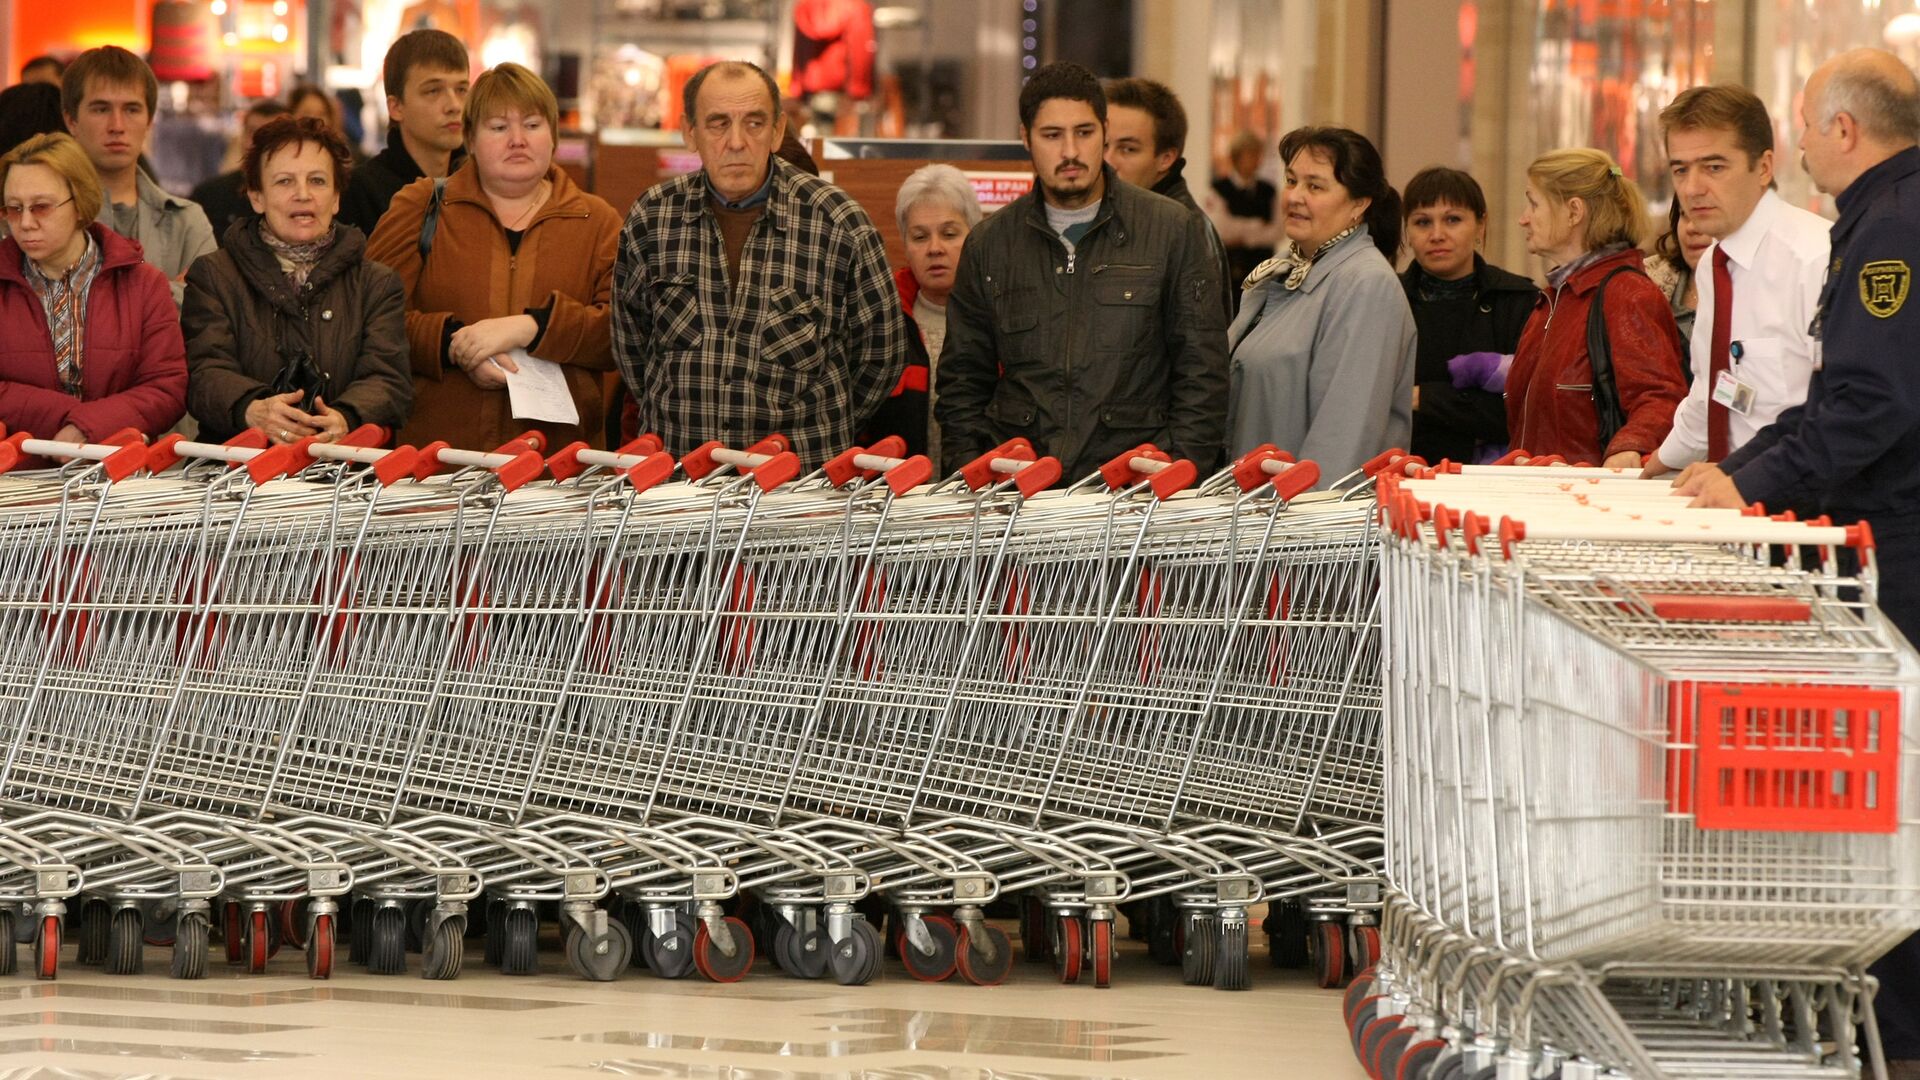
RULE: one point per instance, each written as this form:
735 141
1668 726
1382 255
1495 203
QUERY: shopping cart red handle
513 470
769 467
1677 529
1515 456
1267 465
239 450
903 474
577 457
980 472
892 446
126 436
117 461
371 436
389 466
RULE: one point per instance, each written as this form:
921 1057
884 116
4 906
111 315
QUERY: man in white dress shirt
1753 352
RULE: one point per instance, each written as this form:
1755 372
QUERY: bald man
1853 450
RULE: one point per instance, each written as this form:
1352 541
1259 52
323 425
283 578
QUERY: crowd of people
1758 351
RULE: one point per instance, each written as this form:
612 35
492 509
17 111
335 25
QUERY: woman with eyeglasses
290 328
92 343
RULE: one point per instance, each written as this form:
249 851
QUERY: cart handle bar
577 457
1148 464
903 473
117 460
1743 530
1266 464
769 462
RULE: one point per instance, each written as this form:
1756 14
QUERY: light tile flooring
552 1026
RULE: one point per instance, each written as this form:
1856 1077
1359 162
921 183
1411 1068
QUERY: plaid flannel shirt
808 344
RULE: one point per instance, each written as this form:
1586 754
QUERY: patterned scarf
65 301
298 260
1558 276
1293 263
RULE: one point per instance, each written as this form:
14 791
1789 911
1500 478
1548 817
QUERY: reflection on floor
91 1026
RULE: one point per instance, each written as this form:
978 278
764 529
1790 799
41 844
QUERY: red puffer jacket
134 365
1550 388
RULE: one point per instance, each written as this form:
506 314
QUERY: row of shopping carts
1652 785
288 687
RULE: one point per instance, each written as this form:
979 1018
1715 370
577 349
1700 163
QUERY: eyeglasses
14 213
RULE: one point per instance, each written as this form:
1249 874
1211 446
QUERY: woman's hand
280 417
476 343
69 434
332 422
491 373
1625 459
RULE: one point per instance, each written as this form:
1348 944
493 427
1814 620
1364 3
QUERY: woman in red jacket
92 341
1585 219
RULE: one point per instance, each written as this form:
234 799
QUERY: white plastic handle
1692 530
84 451
472 459
739 459
1147 465
359 455
1594 472
876 463
610 460
1008 465
232 455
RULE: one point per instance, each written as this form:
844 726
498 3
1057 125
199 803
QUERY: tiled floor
485 1026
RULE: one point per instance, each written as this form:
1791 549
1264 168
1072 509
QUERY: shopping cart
1649 778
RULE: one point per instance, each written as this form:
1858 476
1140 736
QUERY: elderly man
1853 450
751 299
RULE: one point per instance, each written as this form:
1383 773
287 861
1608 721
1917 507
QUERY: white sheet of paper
538 391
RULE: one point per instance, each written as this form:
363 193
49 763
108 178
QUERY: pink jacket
134 371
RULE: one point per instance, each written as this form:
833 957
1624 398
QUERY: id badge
1733 393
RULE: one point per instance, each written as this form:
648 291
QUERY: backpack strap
430 223
1606 393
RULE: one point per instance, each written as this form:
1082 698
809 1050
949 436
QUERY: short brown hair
1722 108
509 86
288 130
1154 99
1616 211
421 48
107 64
61 153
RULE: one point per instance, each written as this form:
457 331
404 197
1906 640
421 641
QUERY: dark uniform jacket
1087 355
1853 450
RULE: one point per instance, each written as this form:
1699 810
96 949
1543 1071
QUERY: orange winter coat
565 263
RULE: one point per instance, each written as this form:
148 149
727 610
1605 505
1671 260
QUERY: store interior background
1481 84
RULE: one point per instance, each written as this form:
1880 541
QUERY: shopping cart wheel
233 931
259 941
189 946
1364 1011
716 964
1365 944
293 921
126 945
320 947
1069 948
1390 1049
1359 990
634 917
26 926
603 960
940 964
856 958
1230 969
981 970
1287 928
157 922
1196 960
96 918
1417 1062
1327 947
1371 1035
803 955
1036 937
46 948
446 947
670 955
493 942
9 957
387 941
419 917
360 932
1101 948
520 942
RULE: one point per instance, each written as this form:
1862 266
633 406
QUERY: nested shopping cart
1650 777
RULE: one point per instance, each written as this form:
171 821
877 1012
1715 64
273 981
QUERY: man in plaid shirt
751 299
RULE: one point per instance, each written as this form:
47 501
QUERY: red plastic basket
1786 758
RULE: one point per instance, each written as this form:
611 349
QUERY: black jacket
1174 186
371 188
1121 343
244 324
1450 422
224 198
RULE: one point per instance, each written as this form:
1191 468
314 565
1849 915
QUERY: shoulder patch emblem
1883 287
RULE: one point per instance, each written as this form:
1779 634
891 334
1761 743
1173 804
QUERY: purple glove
1480 371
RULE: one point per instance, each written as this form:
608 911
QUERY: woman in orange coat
519 258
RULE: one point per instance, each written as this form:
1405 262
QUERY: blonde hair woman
1613 404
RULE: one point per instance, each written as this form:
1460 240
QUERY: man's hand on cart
1711 489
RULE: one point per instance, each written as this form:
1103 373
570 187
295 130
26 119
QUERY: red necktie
1718 416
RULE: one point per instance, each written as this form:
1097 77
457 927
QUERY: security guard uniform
1853 450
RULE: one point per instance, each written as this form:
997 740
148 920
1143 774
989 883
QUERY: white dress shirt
1778 262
